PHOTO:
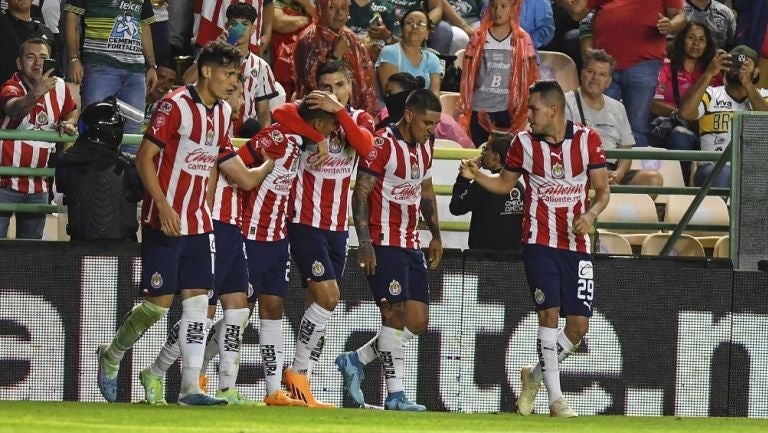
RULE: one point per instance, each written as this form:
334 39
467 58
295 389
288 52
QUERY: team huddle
216 224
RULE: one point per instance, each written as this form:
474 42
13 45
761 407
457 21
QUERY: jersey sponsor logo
406 191
558 172
283 183
585 269
556 194
395 288
538 296
277 136
125 35
156 281
165 107
317 268
719 103
198 159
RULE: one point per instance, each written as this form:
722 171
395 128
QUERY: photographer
101 185
714 106
33 99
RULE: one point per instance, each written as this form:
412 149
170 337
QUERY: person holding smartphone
34 98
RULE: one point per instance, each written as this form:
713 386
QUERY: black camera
737 60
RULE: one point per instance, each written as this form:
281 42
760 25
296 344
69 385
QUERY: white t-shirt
611 123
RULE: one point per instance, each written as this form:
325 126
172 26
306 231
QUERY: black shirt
496 219
13 32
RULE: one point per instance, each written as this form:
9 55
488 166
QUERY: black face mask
396 105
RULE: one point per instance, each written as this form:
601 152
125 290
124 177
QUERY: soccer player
187 136
318 228
393 184
265 216
560 161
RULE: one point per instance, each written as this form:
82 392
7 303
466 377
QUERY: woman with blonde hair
499 66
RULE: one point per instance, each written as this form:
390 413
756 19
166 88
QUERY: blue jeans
723 179
28 225
441 38
635 87
101 81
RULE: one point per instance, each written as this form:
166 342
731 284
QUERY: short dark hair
550 91
600 56
241 10
422 9
310 114
34 41
500 144
331 67
422 100
217 53
407 81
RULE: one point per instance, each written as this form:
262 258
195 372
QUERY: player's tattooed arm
361 212
428 207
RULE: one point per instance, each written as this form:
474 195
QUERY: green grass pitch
33 417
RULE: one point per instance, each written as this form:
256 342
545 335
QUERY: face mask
396 105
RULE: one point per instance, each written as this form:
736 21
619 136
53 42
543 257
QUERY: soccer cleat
201 400
233 397
398 401
107 386
351 369
298 385
202 381
528 394
561 409
282 398
153 387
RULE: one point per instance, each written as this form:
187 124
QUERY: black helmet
101 122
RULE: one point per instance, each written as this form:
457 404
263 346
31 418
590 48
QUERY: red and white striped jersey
557 179
401 167
322 193
259 85
193 138
227 201
265 207
210 17
47 112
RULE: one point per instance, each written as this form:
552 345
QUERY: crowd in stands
664 65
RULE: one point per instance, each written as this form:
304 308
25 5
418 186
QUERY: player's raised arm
361 213
428 208
497 183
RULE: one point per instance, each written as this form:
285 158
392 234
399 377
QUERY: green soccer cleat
153 388
233 397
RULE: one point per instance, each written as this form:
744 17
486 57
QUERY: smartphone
49 64
235 32
376 20
737 61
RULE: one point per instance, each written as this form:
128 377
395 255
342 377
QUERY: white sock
192 342
407 336
212 344
564 349
311 332
368 351
546 346
272 353
391 356
230 337
168 354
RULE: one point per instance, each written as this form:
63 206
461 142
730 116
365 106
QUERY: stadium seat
668 169
447 144
613 243
711 211
686 246
630 208
722 248
459 58
449 101
558 67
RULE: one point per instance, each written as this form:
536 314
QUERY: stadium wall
668 337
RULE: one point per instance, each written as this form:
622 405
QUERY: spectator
497 219
372 28
587 105
692 50
566 38
409 54
166 77
536 19
290 18
464 18
717 16
17 26
499 66
441 33
625 30
396 91
111 61
714 106
37 100
329 38
211 20
161 40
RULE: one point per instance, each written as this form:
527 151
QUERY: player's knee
326 294
270 308
575 331
417 319
393 315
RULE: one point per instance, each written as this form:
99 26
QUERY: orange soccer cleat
282 398
298 385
